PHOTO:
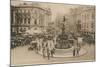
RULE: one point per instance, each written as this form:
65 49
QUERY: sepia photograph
51 33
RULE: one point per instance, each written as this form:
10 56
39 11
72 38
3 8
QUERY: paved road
21 56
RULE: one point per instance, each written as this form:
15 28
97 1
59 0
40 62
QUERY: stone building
24 17
84 19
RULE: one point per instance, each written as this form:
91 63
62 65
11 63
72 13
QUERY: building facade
84 19
24 17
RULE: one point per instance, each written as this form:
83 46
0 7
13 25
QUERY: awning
35 30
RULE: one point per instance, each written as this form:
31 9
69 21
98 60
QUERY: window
93 16
35 22
24 29
25 20
17 20
28 20
20 20
92 25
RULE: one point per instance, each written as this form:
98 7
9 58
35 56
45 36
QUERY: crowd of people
45 45
20 41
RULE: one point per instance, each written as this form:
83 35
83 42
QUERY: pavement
67 52
21 56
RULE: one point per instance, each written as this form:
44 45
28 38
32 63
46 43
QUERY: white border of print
5 33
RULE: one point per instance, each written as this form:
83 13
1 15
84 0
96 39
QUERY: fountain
62 39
